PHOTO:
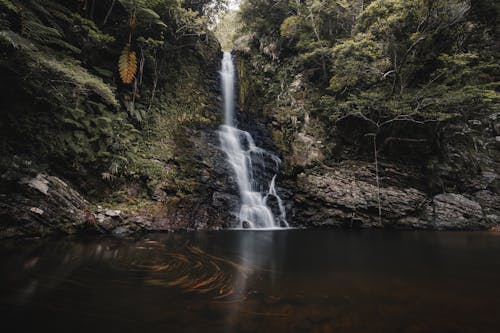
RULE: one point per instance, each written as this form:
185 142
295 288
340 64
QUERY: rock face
181 179
444 177
209 206
454 211
37 205
449 184
40 204
347 196
449 181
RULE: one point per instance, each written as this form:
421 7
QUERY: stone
306 150
112 212
243 43
39 183
121 231
36 210
220 199
455 211
475 123
44 204
347 195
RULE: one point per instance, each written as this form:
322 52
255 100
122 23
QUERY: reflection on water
254 281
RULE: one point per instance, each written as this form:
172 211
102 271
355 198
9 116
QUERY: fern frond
59 11
15 40
9 5
38 32
4 24
127 65
61 43
36 6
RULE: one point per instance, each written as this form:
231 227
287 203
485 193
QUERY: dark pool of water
246 281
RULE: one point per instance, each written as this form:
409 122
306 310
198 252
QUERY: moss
166 152
121 200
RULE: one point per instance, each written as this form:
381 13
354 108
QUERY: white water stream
243 156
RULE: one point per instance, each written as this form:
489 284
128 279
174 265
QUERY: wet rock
346 195
36 210
223 200
272 203
106 222
122 231
143 223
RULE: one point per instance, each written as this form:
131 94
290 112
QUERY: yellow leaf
127 65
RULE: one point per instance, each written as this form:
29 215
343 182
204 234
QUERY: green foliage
289 27
357 62
41 21
425 59
10 5
67 110
264 17
140 12
92 31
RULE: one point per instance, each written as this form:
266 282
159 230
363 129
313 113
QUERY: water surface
254 281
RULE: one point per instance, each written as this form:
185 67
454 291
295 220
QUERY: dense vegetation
91 90
120 99
425 58
393 94
388 64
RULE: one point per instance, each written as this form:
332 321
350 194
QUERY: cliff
84 149
377 128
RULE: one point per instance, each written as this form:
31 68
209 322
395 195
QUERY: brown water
254 281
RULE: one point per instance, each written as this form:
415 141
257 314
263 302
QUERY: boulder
455 211
39 204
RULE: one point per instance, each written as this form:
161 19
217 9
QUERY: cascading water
246 160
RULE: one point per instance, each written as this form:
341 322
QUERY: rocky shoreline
347 196
344 197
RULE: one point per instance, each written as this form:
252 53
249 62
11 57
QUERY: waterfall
249 163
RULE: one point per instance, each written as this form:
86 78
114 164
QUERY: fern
4 24
127 65
58 11
61 43
9 5
40 21
15 40
33 29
